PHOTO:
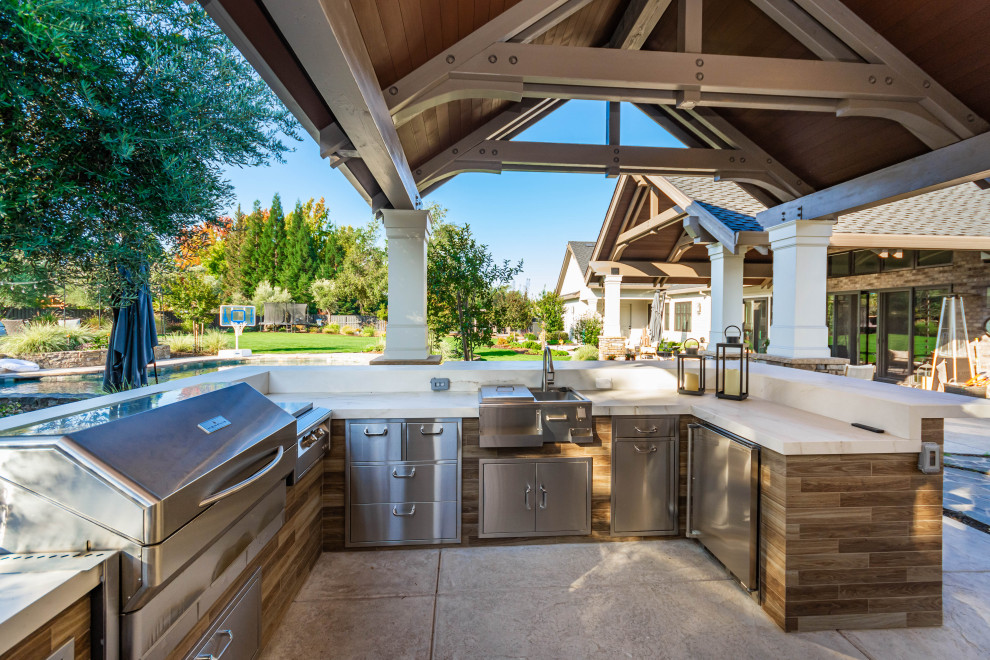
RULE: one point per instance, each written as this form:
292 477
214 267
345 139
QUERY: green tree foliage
587 329
462 280
299 264
325 295
254 228
117 120
266 292
513 309
195 296
272 244
233 246
550 312
362 278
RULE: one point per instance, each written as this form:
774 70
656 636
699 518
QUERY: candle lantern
732 366
689 382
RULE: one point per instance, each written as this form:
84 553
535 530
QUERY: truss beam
637 22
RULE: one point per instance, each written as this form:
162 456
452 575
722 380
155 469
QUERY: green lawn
492 354
300 342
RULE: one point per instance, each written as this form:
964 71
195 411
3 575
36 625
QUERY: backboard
237 315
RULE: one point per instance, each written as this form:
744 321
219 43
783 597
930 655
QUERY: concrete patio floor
656 599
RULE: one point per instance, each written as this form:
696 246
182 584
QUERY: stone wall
75 359
828 365
967 275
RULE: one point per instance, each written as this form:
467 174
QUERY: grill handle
247 482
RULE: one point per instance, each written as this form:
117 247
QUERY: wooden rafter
637 22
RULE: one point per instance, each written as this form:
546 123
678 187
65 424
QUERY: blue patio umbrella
132 343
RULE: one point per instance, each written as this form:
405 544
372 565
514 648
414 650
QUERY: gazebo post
727 290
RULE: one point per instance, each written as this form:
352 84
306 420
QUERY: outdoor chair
14 326
861 371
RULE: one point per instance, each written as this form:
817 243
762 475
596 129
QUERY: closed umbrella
132 343
656 316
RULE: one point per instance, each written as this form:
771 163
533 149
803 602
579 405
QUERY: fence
356 321
28 313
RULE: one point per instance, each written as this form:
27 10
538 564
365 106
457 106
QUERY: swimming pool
93 383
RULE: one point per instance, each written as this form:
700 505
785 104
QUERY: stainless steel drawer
431 441
402 482
645 427
374 442
236 635
418 521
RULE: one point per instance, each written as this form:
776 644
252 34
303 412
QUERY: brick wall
967 275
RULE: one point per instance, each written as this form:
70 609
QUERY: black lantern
687 381
732 366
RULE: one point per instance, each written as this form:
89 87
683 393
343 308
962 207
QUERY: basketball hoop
237 317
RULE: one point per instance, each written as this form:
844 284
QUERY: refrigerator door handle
689 532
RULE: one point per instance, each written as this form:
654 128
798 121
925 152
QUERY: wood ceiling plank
449 23
415 32
465 16
395 34
432 22
373 33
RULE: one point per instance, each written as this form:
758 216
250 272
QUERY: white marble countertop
33 591
777 427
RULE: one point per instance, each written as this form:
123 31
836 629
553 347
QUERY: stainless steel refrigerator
723 499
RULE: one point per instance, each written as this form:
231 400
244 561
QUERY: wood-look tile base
72 622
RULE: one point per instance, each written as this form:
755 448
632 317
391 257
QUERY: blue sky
519 215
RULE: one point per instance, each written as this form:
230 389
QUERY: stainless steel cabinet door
563 489
431 441
508 498
644 499
374 442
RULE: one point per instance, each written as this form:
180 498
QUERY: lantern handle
692 350
732 339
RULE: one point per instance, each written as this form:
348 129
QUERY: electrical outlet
440 384
603 383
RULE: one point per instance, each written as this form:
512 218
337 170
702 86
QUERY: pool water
93 383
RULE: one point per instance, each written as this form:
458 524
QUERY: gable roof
581 252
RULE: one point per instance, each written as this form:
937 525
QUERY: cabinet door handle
543 493
652 429
395 473
230 640
650 450
369 433
423 431
529 489
395 511
556 418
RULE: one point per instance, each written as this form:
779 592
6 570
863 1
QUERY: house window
893 263
865 262
666 317
682 317
928 258
838 265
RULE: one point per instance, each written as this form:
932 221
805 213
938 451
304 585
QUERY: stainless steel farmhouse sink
518 416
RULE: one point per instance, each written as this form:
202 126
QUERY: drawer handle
651 450
368 433
395 511
556 418
230 640
529 489
543 492
412 473
652 429
423 431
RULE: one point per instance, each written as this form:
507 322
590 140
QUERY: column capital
801 232
719 251
401 222
613 279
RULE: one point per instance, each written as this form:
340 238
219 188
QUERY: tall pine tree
251 268
232 246
272 247
299 264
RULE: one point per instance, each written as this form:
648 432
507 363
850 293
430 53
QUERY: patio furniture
861 371
14 326
70 323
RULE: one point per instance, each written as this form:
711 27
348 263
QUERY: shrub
213 341
501 341
586 353
46 318
531 337
377 347
10 408
563 337
587 329
313 330
559 354
368 331
179 343
450 349
326 330
532 345
333 329
45 338
347 330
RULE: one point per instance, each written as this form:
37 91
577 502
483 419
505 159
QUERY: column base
388 359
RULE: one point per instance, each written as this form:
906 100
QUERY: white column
800 259
406 335
727 291
613 291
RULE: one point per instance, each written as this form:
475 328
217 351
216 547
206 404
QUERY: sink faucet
548 373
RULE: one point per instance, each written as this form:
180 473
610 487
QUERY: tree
254 228
514 309
117 120
362 278
550 312
462 279
299 265
266 293
271 247
325 295
195 296
233 247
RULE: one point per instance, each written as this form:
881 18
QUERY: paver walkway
655 599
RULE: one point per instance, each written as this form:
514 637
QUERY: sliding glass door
894 341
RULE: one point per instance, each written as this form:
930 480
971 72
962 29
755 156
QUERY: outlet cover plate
440 384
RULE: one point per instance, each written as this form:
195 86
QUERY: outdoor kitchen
181 520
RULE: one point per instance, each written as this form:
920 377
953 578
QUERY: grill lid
505 394
147 474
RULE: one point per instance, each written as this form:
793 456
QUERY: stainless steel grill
180 482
